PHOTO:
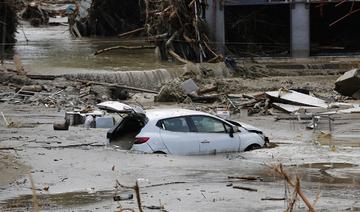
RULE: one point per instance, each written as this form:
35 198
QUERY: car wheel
253 147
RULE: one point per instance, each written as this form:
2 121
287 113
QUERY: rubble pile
56 93
8 23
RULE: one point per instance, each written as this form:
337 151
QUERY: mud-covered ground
78 169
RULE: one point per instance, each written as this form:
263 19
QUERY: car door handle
205 142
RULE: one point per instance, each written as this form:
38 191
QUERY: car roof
171 112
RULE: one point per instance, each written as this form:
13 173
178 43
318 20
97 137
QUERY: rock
61 125
124 196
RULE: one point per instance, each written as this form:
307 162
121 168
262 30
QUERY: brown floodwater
52 50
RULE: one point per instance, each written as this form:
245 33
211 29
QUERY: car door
214 135
177 136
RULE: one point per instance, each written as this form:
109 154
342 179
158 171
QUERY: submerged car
181 132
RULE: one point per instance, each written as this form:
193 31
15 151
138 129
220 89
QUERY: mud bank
79 165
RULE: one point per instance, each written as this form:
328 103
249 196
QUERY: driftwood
123 47
250 178
118 86
245 188
131 32
273 198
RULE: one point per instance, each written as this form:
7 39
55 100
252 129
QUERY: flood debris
46 13
35 14
179 31
176 28
349 84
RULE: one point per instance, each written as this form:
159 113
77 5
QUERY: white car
182 132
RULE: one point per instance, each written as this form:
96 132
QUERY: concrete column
300 29
216 22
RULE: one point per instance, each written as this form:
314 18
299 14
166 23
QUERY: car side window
206 124
178 124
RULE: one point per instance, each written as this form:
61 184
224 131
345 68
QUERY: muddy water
52 50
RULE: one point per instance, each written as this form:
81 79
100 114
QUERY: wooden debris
245 188
250 178
186 36
274 198
123 47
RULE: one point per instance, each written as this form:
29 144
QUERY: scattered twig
6 122
34 199
279 169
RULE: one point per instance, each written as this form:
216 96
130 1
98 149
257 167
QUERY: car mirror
231 133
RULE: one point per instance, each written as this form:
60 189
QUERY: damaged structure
296 28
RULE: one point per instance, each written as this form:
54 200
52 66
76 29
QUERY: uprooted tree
178 29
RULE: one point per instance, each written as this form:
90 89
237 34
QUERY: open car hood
118 107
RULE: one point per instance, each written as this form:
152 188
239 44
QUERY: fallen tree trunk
123 47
